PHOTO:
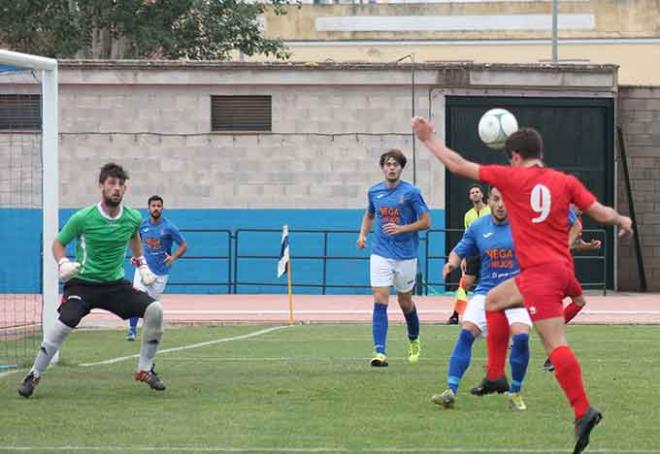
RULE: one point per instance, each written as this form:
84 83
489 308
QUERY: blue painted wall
206 267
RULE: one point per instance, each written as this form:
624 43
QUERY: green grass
310 387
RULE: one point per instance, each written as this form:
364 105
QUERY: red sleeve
495 175
580 196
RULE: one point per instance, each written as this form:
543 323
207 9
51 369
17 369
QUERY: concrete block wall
323 151
280 171
639 116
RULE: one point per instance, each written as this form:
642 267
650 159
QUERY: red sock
498 343
571 311
569 376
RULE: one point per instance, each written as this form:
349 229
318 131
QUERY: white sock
152 332
50 345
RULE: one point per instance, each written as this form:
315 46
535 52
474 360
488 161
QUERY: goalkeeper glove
67 269
146 275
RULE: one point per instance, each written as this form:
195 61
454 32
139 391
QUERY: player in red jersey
538 200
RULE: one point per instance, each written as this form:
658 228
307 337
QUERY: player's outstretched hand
625 227
594 245
422 127
67 269
361 242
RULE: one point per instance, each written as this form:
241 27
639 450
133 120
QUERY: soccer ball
495 126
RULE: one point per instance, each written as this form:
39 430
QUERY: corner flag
283 263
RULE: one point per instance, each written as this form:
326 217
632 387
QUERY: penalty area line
188 347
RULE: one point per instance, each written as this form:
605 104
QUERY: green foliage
166 29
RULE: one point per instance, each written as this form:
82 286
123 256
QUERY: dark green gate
578 136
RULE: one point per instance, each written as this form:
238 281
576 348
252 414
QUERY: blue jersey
494 244
402 204
157 240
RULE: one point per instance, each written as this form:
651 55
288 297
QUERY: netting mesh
20 215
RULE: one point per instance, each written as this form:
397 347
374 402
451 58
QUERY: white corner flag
283 263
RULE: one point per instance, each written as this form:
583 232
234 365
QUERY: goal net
28 204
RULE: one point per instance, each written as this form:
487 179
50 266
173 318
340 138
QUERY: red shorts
544 287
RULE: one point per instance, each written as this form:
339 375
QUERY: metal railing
242 253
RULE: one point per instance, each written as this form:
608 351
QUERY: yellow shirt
472 215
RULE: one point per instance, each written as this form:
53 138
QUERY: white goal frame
47 67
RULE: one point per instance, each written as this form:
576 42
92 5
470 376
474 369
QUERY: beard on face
111 202
155 214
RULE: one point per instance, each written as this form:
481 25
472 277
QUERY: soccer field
309 388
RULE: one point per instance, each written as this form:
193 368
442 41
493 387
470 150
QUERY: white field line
356 311
191 346
367 358
10 372
458 449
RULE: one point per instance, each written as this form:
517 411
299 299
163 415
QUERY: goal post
46 71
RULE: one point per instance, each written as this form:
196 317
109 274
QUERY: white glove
67 269
146 275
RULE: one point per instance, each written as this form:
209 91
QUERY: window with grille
241 113
20 112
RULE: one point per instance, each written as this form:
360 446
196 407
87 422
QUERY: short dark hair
395 154
112 170
527 142
155 198
475 185
478 186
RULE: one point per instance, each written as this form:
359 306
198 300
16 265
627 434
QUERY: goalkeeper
96 278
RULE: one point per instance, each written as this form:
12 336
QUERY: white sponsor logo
488 235
380 196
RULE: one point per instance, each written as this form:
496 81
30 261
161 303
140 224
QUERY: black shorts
473 265
118 297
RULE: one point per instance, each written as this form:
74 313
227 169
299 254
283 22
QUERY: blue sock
379 327
519 359
412 320
132 323
460 359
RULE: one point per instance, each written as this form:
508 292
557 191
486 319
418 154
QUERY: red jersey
537 200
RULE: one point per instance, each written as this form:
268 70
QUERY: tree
169 29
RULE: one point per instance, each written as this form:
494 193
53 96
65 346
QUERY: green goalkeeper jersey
101 241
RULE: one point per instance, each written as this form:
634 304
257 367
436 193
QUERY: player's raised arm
454 162
607 215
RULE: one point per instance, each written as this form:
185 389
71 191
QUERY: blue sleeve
176 235
371 209
467 247
571 216
418 203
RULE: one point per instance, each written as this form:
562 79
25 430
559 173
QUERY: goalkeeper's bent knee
153 321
